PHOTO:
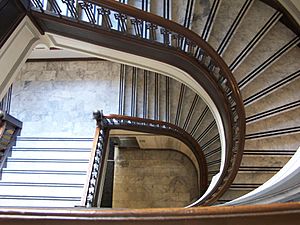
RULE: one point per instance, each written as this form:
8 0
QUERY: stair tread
248 29
276 38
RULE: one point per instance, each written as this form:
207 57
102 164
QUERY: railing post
1 118
9 130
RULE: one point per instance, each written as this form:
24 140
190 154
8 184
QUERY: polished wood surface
272 214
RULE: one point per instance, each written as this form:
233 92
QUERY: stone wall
153 178
58 98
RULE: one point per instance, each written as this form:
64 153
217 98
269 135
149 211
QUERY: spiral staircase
259 48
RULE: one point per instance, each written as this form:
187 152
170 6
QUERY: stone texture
229 10
186 105
153 178
178 9
287 119
58 98
201 12
276 143
253 177
282 96
233 193
248 29
265 160
276 38
285 66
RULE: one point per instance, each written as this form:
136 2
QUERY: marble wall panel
58 98
153 178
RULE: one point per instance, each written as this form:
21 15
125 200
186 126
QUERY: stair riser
264 160
255 177
50 155
43 178
55 144
47 166
38 203
67 192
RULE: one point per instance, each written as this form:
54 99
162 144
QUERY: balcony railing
96 173
115 21
10 128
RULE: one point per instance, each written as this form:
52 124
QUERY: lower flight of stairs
45 172
150 95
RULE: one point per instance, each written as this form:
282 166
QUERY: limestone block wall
153 178
57 98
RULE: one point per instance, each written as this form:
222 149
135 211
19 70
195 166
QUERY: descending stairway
154 96
263 55
45 172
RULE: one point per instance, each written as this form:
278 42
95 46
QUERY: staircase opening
148 171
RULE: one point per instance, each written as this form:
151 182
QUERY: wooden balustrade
10 128
271 214
161 40
99 151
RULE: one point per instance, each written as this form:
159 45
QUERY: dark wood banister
180 134
234 128
10 128
270 214
113 121
128 10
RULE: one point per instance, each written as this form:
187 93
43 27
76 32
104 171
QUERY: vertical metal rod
179 106
145 97
122 90
168 99
134 92
199 121
156 97
191 111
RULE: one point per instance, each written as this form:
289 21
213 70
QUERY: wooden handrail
203 64
105 123
161 127
271 214
10 128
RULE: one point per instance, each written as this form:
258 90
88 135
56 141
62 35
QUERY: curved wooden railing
10 128
105 123
271 214
124 28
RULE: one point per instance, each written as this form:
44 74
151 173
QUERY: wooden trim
175 132
90 168
272 214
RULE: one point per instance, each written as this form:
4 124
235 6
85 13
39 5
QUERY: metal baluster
152 30
166 36
121 21
55 7
138 26
106 21
190 47
88 9
38 4
176 40
71 8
